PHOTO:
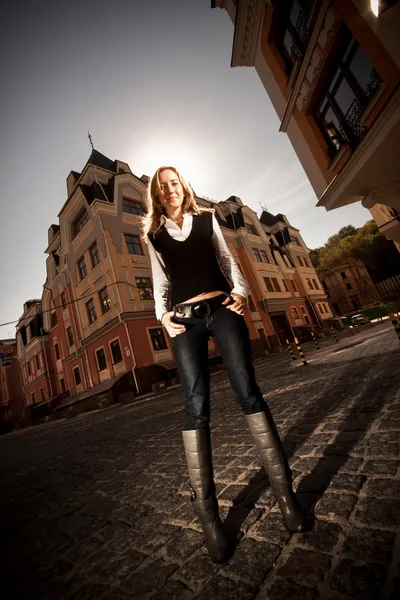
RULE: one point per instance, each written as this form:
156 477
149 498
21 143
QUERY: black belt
200 308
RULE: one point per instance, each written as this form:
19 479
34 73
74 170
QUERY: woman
193 270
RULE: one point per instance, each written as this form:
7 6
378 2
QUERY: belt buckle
200 309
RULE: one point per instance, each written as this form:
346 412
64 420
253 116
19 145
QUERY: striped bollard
290 350
300 351
334 334
315 340
396 324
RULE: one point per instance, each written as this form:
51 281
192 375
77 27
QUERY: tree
379 254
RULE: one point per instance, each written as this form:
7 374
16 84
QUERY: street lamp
378 7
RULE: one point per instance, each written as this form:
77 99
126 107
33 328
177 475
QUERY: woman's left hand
238 305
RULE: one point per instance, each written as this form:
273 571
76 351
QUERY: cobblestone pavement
97 507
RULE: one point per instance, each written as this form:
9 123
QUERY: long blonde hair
151 222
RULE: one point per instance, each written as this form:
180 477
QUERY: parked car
359 320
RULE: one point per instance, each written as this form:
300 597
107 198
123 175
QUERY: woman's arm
161 283
227 263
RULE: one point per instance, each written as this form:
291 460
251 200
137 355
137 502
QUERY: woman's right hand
173 329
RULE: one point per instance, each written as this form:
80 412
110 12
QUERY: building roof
99 160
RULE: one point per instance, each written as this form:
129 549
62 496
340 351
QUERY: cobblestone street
97 507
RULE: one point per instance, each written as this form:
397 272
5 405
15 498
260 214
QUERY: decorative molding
249 18
374 137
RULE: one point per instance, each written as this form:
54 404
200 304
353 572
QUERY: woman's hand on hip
238 305
173 329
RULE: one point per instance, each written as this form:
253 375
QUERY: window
303 310
264 256
101 359
285 285
348 286
63 300
268 284
133 244
33 399
307 320
105 301
94 254
82 268
309 283
42 395
316 286
294 286
37 362
157 339
294 241
145 288
28 367
355 304
276 285
53 319
70 336
251 304
250 229
62 384
116 352
77 375
343 275
300 261
56 351
80 222
91 311
257 255
295 313
132 206
351 84
291 35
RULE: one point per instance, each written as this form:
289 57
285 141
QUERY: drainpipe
47 364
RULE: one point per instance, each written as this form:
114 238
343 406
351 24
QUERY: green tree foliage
366 243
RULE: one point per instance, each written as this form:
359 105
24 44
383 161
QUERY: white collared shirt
161 283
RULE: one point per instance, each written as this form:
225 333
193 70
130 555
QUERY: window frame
110 343
63 300
82 269
268 284
94 256
275 283
56 348
106 301
138 207
133 244
79 222
256 254
101 348
37 362
295 312
144 287
160 329
70 336
263 254
74 370
91 310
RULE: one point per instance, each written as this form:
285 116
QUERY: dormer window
79 222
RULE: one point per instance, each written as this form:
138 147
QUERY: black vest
192 265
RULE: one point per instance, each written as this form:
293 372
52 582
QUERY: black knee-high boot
270 448
197 444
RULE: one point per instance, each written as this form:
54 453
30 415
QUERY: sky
151 80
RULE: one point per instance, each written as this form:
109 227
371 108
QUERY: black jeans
191 354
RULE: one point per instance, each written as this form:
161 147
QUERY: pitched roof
99 160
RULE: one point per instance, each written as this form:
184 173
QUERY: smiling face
171 194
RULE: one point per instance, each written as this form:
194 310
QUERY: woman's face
171 193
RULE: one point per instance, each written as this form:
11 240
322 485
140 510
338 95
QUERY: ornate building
332 71
94 332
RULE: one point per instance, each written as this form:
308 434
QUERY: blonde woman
193 274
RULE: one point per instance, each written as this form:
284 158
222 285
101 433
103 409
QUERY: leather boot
197 444
269 446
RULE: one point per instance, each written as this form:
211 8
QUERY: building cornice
375 135
249 20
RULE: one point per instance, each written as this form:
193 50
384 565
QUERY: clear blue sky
151 80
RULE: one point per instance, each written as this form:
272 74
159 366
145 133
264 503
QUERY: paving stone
271 529
284 589
358 580
305 567
230 475
323 536
196 571
235 494
178 550
173 590
373 511
334 506
344 482
389 450
380 467
148 580
251 562
381 488
90 591
369 545
222 588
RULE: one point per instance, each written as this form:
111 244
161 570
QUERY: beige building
94 332
349 287
331 69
